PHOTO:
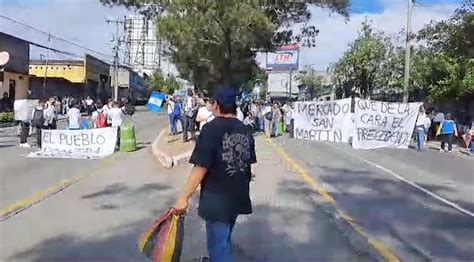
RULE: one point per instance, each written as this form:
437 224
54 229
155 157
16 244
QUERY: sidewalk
436 145
101 218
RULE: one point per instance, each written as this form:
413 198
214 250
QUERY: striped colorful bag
162 241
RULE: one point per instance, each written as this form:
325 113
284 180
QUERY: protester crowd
437 124
79 114
193 112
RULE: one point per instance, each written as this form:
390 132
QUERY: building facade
77 78
130 83
14 74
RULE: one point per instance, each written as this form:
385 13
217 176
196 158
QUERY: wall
19 51
21 82
123 77
54 87
97 78
73 73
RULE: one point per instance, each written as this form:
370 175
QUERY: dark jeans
219 244
291 128
38 135
447 138
172 121
188 125
25 131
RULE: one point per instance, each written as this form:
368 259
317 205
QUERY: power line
53 36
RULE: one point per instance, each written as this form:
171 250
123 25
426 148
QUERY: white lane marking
413 184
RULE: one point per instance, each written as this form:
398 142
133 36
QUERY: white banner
383 124
323 121
81 144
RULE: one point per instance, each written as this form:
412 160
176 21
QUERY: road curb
168 161
361 241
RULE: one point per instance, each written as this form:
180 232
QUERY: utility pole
407 51
118 42
46 67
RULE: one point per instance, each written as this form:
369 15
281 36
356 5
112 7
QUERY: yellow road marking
37 197
385 252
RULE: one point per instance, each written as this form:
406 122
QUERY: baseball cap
225 96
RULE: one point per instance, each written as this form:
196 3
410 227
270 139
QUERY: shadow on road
418 224
289 227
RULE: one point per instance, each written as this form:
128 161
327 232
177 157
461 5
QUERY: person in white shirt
422 125
74 117
204 114
116 115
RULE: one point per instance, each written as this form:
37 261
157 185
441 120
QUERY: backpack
101 120
269 115
38 118
176 109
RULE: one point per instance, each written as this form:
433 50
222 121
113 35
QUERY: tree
444 67
369 65
214 42
157 82
312 81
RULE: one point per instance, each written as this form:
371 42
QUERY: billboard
285 58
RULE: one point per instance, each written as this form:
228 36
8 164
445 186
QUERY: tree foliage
157 82
444 67
214 42
369 65
312 81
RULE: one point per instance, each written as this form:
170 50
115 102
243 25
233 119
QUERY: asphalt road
401 197
21 177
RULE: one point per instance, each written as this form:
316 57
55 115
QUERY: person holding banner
38 121
421 128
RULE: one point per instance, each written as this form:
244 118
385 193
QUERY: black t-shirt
227 149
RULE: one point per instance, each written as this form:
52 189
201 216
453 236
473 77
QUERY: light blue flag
155 101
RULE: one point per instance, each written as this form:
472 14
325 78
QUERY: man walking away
190 110
38 121
116 117
447 129
222 162
74 117
98 118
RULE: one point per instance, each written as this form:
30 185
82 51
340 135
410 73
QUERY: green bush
6 117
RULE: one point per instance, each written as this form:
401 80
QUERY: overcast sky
83 22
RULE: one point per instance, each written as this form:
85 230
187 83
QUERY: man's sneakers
25 145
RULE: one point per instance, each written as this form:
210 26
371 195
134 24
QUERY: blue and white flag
155 101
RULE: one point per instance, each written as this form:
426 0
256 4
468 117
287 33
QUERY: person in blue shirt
447 130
